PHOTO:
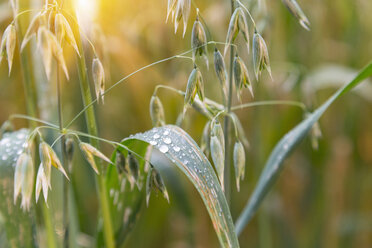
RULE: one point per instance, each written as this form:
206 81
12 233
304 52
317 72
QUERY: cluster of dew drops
12 145
164 140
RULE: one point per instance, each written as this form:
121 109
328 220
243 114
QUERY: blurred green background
322 198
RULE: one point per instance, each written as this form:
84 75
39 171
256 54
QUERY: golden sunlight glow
86 11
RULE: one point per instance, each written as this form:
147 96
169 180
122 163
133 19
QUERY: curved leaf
183 151
17 223
281 151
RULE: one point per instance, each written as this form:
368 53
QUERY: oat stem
65 215
227 122
93 130
272 102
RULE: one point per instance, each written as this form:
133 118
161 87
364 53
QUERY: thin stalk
65 215
227 169
93 130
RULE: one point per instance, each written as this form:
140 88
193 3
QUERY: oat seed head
297 12
98 73
157 112
239 163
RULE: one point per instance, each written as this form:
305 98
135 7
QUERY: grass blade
284 147
182 150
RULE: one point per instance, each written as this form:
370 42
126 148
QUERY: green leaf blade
183 151
285 146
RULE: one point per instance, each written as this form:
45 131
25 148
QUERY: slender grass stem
93 130
227 169
273 102
65 215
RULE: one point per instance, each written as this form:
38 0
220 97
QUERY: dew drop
167 141
176 148
166 133
163 148
156 136
4 157
153 142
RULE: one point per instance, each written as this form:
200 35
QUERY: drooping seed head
64 32
261 59
69 145
54 161
50 47
243 27
133 166
21 161
199 41
38 21
182 11
297 12
233 29
171 9
217 131
220 69
241 76
11 42
41 184
121 163
98 78
28 173
218 157
46 161
156 112
194 86
155 182
204 143
239 163
241 133
89 152
3 44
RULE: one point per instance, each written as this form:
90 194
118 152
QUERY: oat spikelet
241 76
199 41
171 9
239 163
233 29
11 42
297 12
64 32
182 12
46 161
155 182
156 112
32 29
8 44
41 184
27 182
261 59
22 159
49 46
89 152
195 85
220 69
98 79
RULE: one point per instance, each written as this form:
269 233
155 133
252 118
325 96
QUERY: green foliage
285 146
